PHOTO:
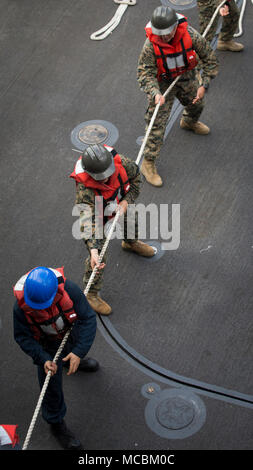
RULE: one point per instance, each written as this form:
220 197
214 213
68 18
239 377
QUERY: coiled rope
108 238
109 27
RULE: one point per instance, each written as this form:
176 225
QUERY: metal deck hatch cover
94 132
173 413
179 4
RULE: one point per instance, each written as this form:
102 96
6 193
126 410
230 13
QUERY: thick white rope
43 392
213 18
108 238
240 31
109 27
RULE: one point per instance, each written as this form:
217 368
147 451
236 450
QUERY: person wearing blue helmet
40 288
47 305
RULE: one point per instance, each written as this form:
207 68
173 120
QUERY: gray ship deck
176 353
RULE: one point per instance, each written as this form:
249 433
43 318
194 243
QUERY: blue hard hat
40 288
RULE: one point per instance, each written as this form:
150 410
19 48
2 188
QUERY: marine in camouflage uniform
229 23
185 91
128 226
87 196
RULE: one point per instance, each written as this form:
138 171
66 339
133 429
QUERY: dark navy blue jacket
83 332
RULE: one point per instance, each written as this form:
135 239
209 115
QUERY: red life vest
8 434
114 189
53 321
176 57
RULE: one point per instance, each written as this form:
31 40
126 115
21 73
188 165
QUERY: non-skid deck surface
181 322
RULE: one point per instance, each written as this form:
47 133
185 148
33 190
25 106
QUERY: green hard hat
163 20
98 162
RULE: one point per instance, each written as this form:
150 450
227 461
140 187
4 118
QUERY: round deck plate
179 4
94 132
174 413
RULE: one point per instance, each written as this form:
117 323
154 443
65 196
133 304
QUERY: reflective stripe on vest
4 437
8 434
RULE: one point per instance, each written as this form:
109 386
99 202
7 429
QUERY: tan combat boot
197 127
139 247
98 304
149 170
229 46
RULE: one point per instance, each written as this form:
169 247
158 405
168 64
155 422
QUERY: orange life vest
53 321
177 56
114 189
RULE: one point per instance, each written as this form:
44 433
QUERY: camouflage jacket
147 68
86 198
211 3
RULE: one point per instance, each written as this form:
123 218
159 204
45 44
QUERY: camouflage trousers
229 22
130 233
185 91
